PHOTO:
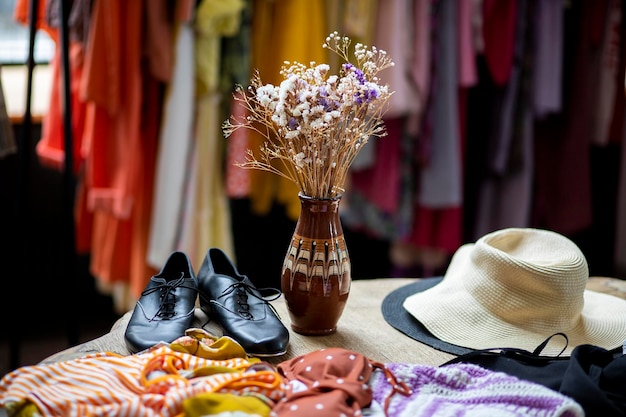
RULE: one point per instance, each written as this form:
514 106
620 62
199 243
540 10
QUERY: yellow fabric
359 20
213 404
286 30
353 18
214 18
210 222
22 408
203 344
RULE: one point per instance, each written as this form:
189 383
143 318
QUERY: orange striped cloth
151 383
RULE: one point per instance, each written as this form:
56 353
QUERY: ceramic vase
316 274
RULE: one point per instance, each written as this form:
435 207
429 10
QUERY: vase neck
320 205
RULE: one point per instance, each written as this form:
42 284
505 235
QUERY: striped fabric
152 383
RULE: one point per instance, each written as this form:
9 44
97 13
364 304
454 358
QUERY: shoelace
168 299
242 290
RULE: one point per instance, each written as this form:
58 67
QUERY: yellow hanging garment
286 30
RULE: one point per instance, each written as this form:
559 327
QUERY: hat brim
398 317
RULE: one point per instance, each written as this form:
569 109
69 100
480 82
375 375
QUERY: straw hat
513 288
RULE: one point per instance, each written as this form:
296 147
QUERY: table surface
361 328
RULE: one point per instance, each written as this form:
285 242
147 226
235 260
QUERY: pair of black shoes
166 307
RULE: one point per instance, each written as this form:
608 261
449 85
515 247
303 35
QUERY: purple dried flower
349 68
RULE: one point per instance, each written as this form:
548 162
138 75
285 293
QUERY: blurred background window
14 39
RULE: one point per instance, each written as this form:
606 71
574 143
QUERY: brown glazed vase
316 274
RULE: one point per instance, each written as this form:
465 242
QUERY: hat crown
529 277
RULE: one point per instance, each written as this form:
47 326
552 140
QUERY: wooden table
361 328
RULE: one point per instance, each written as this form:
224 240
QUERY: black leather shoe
243 311
166 307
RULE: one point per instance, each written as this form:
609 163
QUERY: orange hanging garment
121 132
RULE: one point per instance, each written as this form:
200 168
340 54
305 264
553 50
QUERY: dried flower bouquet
315 123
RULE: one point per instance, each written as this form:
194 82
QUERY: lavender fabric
468 390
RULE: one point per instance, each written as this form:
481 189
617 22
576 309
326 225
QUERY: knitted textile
468 390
